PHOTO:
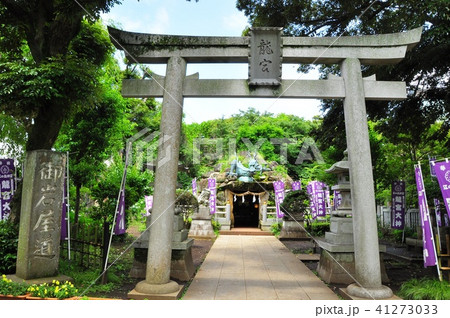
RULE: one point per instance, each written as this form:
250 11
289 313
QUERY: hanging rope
247 193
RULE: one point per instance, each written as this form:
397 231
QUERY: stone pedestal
181 265
266 226
293 230
40 218
337 258
201 226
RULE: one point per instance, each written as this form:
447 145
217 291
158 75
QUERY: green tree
12 136
425 69
105 192
48 62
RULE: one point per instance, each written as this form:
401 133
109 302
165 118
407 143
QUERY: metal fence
412 217
88 245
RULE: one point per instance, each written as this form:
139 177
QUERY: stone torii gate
265 51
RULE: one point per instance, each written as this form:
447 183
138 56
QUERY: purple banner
312 206
437 211
320 198
337 198
398 205
119 227
432 160
148 204
212 195
278 187
327 198
64 215
194 186
6 187
442 170
296 186
429 251
315 190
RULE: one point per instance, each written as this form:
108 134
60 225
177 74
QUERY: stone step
245 231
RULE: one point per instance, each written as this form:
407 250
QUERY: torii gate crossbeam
348 52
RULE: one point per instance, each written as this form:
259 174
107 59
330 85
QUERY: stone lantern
341 169
337 259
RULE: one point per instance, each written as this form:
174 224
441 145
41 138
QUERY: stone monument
201 226
40 217
293 209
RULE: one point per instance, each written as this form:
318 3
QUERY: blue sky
206 17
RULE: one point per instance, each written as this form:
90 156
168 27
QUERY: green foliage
106 191
49 63
216 227
13 137
386 233
275 229
9 238
8 287
318 228
425 289
218 141
185 197
54 290
295 202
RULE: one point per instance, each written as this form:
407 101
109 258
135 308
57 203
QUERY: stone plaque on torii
265 50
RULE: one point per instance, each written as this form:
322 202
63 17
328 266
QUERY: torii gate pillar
157 283
367 256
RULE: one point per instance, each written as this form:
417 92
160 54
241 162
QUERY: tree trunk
16 201
46 127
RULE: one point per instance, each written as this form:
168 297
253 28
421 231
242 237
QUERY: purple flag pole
7 173
119 227
148 204
212 195
194 187
437 212
429 248
64 212
398 204
442 170
119 206
279 197
296 186
65 217
431 161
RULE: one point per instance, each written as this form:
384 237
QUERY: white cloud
235 22
160 22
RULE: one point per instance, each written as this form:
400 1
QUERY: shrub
54 290
295 205
8 287
276 229
216 226
319 228
9 238
425 289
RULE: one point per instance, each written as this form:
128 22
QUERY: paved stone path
242 267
